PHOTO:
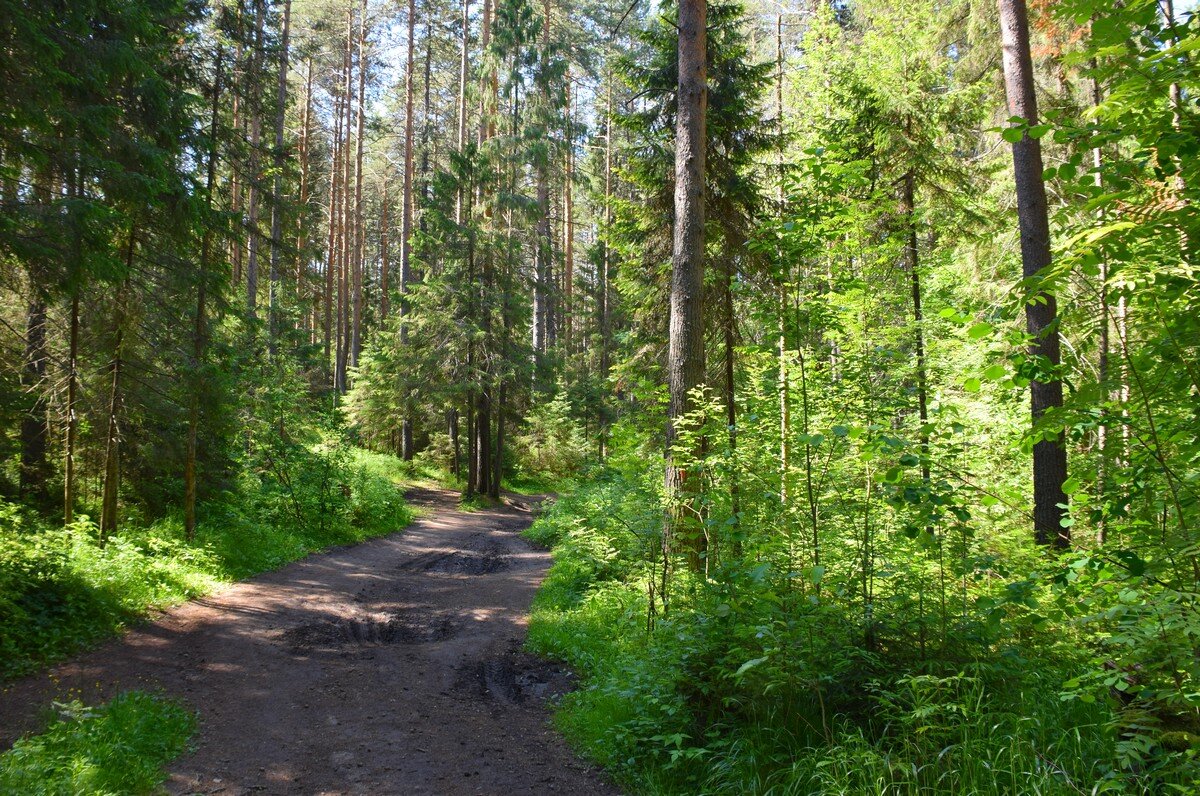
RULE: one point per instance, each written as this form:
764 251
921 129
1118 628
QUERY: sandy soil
389 667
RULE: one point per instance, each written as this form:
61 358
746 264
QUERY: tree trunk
385 266
344 250
452 423
569 221
1049 455
781 203
331 248
483 443
235 178
72 416
302 217
912 265
728 332
406 430
35 469
252 199
198 324
541 281
602 289
112 452
357 273
277 189
407 210
685 357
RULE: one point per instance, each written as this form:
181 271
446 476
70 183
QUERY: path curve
389 667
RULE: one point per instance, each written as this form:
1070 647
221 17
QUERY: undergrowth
60 589
748 685
116 749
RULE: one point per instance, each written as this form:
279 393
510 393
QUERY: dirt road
390 667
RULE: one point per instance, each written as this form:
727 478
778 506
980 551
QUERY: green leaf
995 372
1071 486
1038 130
1012 134
1133 562
972 384
980 330
748 665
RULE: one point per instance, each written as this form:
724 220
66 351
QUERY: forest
856 339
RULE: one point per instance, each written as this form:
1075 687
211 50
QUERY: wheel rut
391 667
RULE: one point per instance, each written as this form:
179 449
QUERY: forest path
389 667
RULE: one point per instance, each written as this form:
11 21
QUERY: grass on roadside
60 590
118 748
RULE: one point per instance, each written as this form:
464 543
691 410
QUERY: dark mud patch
407 628
481 563
515 678
482 556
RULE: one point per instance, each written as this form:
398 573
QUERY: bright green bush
117 749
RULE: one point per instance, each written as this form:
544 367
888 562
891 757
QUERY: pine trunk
685 356
112 452
277 188
1049 455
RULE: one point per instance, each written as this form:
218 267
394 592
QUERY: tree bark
602 289
72 415
385 265
302 217
277 188
452 423
344 237
783 386
112 452
359 236
541 281
569 222
1049 455
912 265
35 468
406 426
252 231
331 249
685 357
199 322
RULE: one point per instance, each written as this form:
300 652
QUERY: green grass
118 748
60 591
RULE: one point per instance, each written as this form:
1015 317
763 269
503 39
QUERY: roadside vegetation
769 677
62 588
117 749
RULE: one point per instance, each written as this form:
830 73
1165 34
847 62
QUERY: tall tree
1041 309
685 356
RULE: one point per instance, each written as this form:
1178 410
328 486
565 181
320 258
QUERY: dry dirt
389 667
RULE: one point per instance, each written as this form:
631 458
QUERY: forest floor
390 667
